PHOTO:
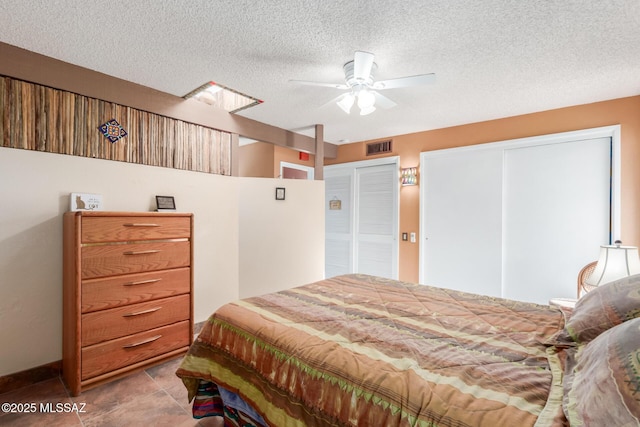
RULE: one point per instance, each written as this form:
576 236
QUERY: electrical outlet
413 237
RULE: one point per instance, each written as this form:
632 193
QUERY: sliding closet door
556 206
376 220
462 220
519 218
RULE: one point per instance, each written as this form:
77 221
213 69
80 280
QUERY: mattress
358 350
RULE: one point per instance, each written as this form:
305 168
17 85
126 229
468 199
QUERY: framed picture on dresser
165 203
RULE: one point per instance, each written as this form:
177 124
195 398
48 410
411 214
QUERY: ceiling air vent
379 147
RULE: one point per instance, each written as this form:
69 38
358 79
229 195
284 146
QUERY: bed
359 350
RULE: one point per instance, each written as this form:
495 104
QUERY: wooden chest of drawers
128 293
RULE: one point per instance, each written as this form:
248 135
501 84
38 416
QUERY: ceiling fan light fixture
366 99
346 102
360 81
366 102
367 110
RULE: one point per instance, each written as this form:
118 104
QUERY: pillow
604 307
602 379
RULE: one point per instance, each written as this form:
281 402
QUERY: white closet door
557 213
376 220
338 225
462 220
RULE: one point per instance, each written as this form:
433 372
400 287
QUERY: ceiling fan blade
362 64
420 79
321 84
382 101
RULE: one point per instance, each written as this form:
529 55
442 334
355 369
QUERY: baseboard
30 376
45 372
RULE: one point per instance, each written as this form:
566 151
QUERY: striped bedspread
358 350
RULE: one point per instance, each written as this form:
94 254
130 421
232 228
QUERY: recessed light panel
223 97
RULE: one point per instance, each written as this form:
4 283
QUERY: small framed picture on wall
280 193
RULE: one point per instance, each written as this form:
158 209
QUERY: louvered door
376 248
362 219
338 225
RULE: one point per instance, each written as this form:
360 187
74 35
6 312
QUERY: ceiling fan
359 80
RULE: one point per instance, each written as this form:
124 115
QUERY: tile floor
154 397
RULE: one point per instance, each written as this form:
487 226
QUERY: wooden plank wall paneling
35 117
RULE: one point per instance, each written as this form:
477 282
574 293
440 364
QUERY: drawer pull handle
140 224
151 251
138 313
141 282
147 341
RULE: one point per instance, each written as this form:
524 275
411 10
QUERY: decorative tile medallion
112 130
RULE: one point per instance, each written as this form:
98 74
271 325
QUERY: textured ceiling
492 58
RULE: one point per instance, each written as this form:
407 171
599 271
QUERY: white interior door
557 213
462 226
338 224
361 218
296 171
377 221
520 218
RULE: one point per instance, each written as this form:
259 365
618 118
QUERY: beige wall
256 160
35 193
282 154
286 238
261 159
624 111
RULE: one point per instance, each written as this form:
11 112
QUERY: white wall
34 193
284 237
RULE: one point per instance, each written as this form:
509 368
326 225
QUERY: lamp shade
615 262
366 99
346 102
367 110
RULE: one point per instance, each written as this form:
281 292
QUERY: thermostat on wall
86 202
